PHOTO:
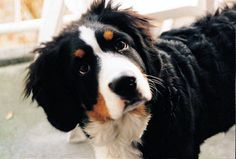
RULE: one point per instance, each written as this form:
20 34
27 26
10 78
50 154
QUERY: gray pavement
28 135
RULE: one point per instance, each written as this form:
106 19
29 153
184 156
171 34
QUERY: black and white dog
135 96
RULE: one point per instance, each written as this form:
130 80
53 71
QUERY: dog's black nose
124 86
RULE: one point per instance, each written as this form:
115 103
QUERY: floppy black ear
52 85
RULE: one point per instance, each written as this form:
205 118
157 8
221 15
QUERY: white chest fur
113 139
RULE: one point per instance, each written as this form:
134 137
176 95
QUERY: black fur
196 65
199 75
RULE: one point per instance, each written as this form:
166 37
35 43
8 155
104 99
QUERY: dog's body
87 75
200 71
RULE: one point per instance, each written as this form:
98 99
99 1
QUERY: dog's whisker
154 92
153 77
160 84
154 88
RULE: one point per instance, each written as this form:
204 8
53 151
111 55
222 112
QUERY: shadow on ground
27 134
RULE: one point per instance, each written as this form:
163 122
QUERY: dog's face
95 69
121 84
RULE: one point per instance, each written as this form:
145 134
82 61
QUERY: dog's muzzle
126 88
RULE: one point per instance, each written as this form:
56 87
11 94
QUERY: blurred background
24 24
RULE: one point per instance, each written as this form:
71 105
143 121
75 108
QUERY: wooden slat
21 26
51 19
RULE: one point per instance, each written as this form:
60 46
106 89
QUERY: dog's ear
51 84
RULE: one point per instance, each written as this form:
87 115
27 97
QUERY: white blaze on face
113 66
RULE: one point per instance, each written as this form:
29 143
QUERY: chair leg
51 19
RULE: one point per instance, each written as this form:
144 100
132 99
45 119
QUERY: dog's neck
116 139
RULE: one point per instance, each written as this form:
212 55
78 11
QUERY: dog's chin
132 105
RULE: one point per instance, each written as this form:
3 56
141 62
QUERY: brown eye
84 69
121 46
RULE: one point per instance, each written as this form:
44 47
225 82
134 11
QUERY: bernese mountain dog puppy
135 96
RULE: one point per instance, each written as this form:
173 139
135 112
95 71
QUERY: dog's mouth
133 104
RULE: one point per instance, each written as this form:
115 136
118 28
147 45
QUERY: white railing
52 15
19 25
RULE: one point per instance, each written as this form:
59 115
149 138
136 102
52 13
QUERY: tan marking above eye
100 111
108 35
79 53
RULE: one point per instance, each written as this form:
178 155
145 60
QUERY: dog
135 95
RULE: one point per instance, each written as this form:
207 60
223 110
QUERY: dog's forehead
87 34
94 36
102 38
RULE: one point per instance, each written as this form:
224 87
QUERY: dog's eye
84 69
121 46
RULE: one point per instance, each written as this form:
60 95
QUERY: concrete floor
28 135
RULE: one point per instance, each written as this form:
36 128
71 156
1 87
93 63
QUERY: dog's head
95 69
